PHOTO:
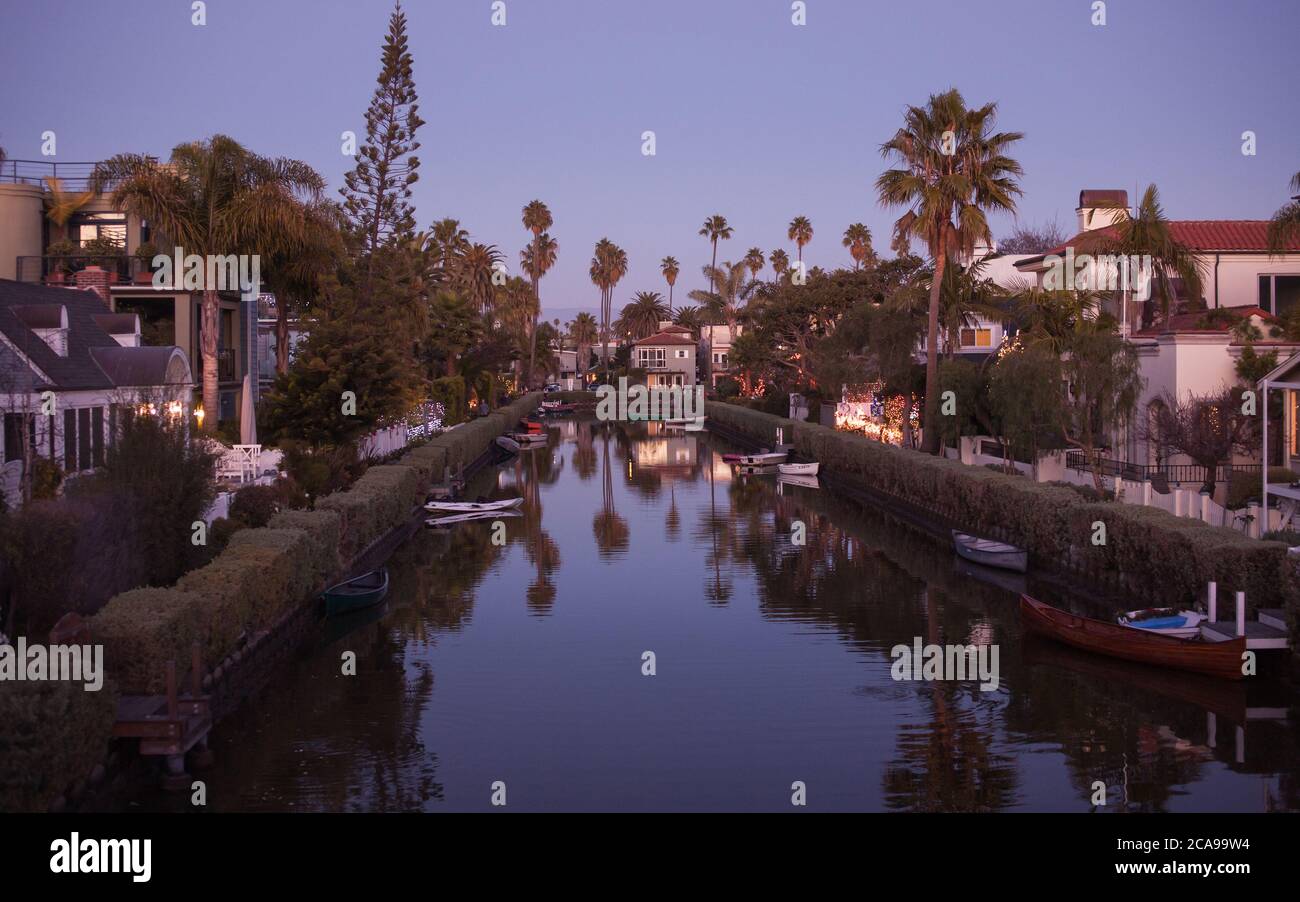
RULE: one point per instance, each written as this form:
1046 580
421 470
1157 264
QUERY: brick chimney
97 279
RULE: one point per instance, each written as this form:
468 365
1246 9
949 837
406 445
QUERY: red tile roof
1203 235
666 338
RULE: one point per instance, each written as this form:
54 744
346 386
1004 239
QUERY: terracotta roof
1202 235
666 338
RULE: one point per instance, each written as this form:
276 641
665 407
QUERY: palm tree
732 289
1146 233
670 268
537 219
857 238
214 198
60 204
449 241
780 262
608 266
754 260
950 171
800 232
643 316
583 331
715 227
1284 228
690 317
474 270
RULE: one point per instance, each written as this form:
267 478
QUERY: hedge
52 735
141 630
264 572
1162 558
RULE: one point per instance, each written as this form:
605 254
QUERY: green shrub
325 530
1244 487
255 505
359 513
52 734
1287 537
1156 554
450 392
141 630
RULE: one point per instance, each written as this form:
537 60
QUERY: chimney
97 279
1100 207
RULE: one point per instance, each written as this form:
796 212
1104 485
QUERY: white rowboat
762 460
798 469
1166 621
473 507
990 553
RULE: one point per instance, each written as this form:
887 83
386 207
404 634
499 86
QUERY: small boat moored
361 592
444 522
762 459
990 553
473 507
1218 659
1165 621
799 469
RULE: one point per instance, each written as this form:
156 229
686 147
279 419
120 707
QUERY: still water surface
523 664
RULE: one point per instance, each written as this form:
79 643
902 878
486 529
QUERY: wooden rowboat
990 553
355 594
1217 659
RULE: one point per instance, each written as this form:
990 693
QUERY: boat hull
799 469
356 594
1013 559
1217 659
473 507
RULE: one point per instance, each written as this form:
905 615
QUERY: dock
1268 633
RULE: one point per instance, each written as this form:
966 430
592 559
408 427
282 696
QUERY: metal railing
71 176
1175 474
62 269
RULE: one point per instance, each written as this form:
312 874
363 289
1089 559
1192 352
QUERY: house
715 339
68 367
1194 350
667 357
169 315
266 355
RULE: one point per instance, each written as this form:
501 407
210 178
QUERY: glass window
1265 293
97 436
1286 294
83 439
70 441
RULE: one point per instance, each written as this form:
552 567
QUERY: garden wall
1159 558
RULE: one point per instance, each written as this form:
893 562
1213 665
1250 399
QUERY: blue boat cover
1159 623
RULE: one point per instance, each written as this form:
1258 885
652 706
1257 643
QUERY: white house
68 367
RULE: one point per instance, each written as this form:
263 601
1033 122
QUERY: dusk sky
754 117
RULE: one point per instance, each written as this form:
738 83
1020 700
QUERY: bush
141 630
1155 553
727 387
1244 487
219 534
325 530
255 505
52 735
450 392
46 479
1288 537
1088 492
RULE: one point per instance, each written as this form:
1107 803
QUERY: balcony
71 176
62 270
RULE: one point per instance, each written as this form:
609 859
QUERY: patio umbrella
247 418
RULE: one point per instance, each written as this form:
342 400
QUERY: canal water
522 665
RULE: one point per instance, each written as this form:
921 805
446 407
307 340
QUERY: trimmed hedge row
1166 559
265 572
52 734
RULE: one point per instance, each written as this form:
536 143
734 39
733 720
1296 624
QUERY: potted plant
144 254
59 265
105 253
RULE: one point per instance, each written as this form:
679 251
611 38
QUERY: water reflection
521 661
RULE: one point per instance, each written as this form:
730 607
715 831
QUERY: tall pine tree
377 193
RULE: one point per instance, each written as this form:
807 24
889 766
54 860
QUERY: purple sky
755 118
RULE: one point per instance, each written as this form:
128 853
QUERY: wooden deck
1260 636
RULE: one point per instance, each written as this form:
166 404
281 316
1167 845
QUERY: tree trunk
714 266
670 300
208 348
537 310
930 437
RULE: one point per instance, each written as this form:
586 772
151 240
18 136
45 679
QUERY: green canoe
362 592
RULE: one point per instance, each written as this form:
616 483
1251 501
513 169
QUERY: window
977 338
97 436
13 425
681 355
89 226
69 441
652 357
83 439
1278 294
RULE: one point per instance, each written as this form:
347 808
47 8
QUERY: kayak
473 507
